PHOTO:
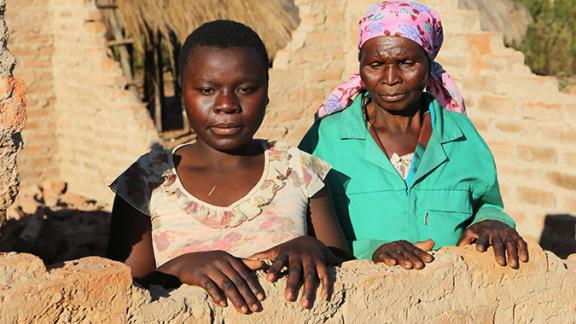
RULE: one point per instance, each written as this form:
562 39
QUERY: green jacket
455 184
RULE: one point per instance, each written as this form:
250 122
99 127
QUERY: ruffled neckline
274 177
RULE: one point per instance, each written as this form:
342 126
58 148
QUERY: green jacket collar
353 126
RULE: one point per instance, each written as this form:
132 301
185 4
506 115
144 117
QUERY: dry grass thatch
273 20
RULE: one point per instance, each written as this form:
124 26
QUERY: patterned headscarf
410 20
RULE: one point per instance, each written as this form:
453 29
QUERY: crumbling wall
525 120
12 119
85 127
31 41
102 127
460 286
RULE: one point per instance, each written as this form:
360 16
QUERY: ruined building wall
31 41
460 286
85 128
525 120
102 128
12 119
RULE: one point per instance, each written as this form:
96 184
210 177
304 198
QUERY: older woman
410 171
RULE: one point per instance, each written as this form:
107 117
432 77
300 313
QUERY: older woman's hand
405 254
508 245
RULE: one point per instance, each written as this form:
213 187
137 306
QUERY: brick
542 111
563 180
569 158
563 133
510 127
533 196
328 74
536 154
498 105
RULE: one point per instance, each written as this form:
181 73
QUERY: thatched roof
273 20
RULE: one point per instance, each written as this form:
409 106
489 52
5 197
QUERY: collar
353 126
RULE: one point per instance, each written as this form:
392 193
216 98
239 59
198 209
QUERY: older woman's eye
246 90
407 63
375 65
206 91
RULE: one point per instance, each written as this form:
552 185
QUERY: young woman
210 212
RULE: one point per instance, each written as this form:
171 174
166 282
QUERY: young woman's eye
206 91
246 90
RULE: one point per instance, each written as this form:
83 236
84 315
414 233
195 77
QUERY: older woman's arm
492 226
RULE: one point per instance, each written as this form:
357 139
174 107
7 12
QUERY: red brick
533 196
501 105
542 112
563 180
510 127
536 154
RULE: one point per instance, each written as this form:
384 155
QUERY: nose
391 75
227 103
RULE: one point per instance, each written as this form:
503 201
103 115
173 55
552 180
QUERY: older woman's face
394 71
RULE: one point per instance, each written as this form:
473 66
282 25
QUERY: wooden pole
117 32
159 83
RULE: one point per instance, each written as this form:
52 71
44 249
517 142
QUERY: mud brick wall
460 286
85 128
32 43
12 120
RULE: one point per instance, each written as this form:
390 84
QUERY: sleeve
361 248
310 140
364 249
133 185
489 205
312 171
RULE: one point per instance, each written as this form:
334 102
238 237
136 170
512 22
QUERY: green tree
550 42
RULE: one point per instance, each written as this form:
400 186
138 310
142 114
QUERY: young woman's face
224 92
394 71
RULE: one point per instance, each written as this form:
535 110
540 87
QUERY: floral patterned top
273 212
402 163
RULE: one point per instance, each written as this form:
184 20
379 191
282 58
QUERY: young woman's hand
306 260
222 275
507 243
405 254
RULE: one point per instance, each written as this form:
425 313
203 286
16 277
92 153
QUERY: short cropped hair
223 34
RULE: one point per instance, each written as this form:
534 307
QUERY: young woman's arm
222 275
130 239
325 226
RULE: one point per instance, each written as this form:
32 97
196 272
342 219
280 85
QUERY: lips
392 97
226 129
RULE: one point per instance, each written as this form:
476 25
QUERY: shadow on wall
559 234
68 234
56 236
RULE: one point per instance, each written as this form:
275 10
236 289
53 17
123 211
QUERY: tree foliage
550 42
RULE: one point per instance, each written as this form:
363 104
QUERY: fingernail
260 296
289 296
244 309
223 304
254 307
306 303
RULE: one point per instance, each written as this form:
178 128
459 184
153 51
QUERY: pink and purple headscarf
410 20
